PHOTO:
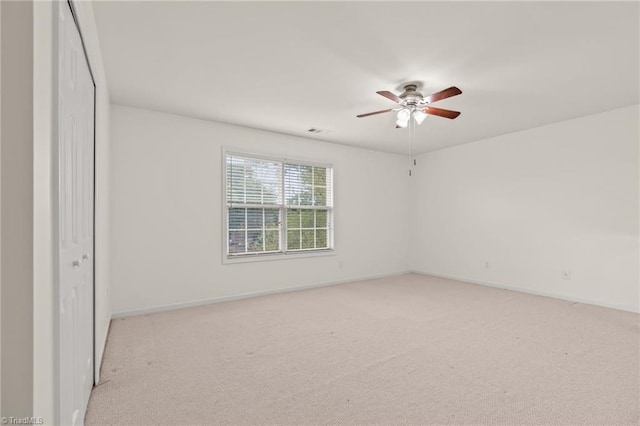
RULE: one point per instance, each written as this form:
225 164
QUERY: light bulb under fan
406 114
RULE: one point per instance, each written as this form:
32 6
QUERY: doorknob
85 257
75 263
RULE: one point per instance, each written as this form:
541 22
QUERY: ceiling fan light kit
414 104
419 116
404 115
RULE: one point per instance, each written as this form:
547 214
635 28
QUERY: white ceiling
290 66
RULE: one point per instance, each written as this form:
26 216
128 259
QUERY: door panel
75 208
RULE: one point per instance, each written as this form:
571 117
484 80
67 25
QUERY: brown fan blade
373 113
446 113
389 95
443 94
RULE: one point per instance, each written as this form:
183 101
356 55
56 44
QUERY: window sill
276 256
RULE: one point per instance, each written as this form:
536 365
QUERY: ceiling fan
414 104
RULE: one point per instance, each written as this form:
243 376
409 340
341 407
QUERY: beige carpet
403 350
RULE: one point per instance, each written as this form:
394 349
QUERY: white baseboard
219 299
531 291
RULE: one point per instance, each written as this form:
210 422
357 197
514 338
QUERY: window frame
283 253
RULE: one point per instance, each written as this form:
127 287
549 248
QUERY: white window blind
277 206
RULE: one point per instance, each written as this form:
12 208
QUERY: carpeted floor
410 349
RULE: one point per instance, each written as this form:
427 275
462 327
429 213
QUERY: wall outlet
566 274
486 264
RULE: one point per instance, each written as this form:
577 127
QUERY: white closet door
75 196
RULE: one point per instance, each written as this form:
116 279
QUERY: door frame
56 201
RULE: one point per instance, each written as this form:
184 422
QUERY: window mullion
246 229
283 211
313 195
299 223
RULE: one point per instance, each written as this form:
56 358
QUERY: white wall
535 203
0 209
166 220
43 289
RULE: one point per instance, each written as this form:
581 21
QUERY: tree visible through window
277 206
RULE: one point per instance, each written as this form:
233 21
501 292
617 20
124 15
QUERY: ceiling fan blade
443 94
389 95
373 113
446 113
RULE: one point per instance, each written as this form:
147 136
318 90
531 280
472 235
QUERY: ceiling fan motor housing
411 96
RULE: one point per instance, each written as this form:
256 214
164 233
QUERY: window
277 206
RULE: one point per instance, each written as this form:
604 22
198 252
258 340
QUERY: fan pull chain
412 133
